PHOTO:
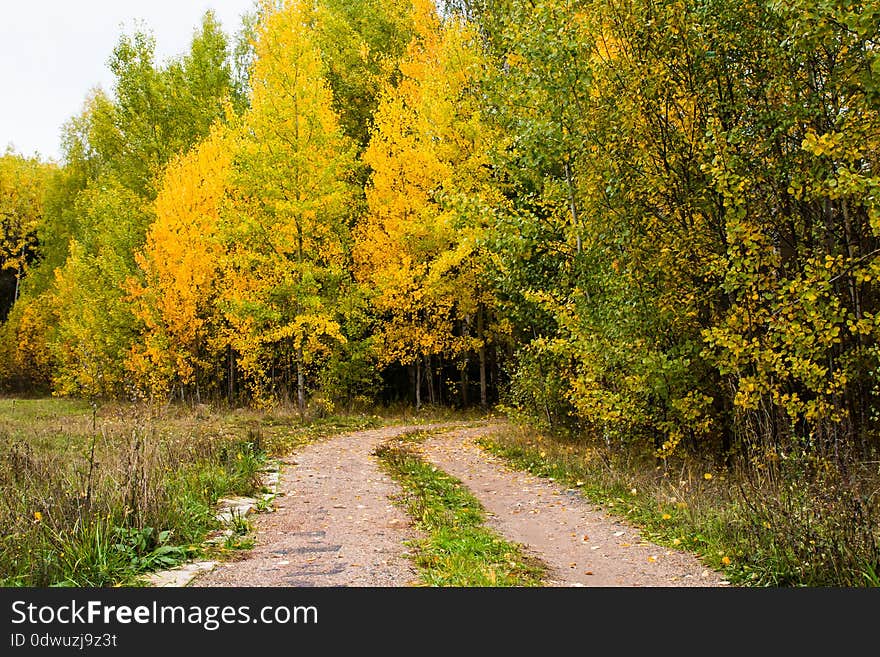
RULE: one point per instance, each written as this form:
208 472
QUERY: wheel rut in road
580 543
334 523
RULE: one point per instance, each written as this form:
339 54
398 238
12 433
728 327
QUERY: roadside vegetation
98 497
797 524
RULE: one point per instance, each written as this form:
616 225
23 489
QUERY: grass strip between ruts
456 549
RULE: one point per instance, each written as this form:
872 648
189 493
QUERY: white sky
52 52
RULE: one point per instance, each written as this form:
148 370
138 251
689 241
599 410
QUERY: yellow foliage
180 263
284 227
417 248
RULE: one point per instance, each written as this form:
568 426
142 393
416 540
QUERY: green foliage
689 239
99 206
538 388
146 550
155 112
350 376
95 327
285 232
360 41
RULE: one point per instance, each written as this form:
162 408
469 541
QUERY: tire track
334 523
581 544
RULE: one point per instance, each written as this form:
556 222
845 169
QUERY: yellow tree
176 300
22 185
24 362
418 247
285 232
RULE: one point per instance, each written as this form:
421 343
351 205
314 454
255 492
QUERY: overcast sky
52 52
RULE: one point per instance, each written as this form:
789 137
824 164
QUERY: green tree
285 232
104 202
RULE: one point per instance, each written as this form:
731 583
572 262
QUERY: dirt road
582 545
335 524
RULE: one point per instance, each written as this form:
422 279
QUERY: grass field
98 496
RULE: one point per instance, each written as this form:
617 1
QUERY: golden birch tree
177 299
419 246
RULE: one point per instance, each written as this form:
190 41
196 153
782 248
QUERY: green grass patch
138 502
458 549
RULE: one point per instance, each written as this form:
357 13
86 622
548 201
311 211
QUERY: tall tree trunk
572 202
418 383
230 383
484 391
429 377
18 274
440 380
300 384
464 384
465 332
